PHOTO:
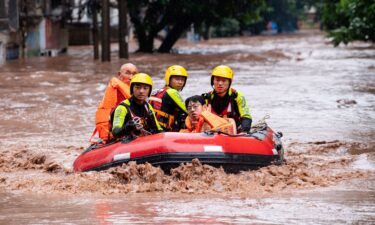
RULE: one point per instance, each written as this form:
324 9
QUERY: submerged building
32 28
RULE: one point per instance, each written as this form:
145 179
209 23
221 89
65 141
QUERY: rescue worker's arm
244 111
118 127
207 98
246 124
176 97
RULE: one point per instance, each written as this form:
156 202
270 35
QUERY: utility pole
123 29
95 29
106 47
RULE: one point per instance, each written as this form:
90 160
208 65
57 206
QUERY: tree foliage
285 13
176 16
349 20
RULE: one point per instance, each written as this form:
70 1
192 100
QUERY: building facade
32 28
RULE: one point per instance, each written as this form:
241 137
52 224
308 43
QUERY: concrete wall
2 53
47 39
33 42
56 37
3 41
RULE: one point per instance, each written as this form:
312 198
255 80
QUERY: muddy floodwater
320 97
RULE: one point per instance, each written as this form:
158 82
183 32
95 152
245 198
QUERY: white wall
3 41
2 53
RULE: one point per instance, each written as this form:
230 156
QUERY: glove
180 122
205 96
246 124
124 130
130 126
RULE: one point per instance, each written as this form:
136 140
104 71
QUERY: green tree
176 16
349 20
285 13
251 17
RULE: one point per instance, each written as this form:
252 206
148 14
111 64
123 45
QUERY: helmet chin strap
222 93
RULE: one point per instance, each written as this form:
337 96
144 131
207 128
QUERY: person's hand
130 126
138 123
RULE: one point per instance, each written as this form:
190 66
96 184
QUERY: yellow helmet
141 78
175 70
222 71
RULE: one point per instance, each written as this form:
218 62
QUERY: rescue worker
225 101
200 120
116 92
167 102
136 109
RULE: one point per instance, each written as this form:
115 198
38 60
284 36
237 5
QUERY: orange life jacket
189 126
115 93
214 121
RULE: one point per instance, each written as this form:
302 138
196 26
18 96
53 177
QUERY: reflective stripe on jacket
124 112
236 108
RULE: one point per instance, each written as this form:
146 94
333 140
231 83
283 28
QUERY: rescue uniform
231 105
169 108
129 109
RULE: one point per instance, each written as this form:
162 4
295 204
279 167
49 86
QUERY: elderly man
117 91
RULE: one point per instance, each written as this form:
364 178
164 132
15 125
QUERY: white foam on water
302 210
101 87
73 80
85 92
363 163
36 75
46 83
20 105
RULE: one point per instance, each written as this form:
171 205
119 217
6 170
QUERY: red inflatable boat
234 153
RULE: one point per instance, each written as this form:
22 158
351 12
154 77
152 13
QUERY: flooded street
322 98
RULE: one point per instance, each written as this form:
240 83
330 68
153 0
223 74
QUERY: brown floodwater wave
320 97
304 168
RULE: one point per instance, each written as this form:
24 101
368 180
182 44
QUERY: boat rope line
210 132
262 122
139 126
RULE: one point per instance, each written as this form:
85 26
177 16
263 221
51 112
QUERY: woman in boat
116 92
227 102
168 103
200 120
135 111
